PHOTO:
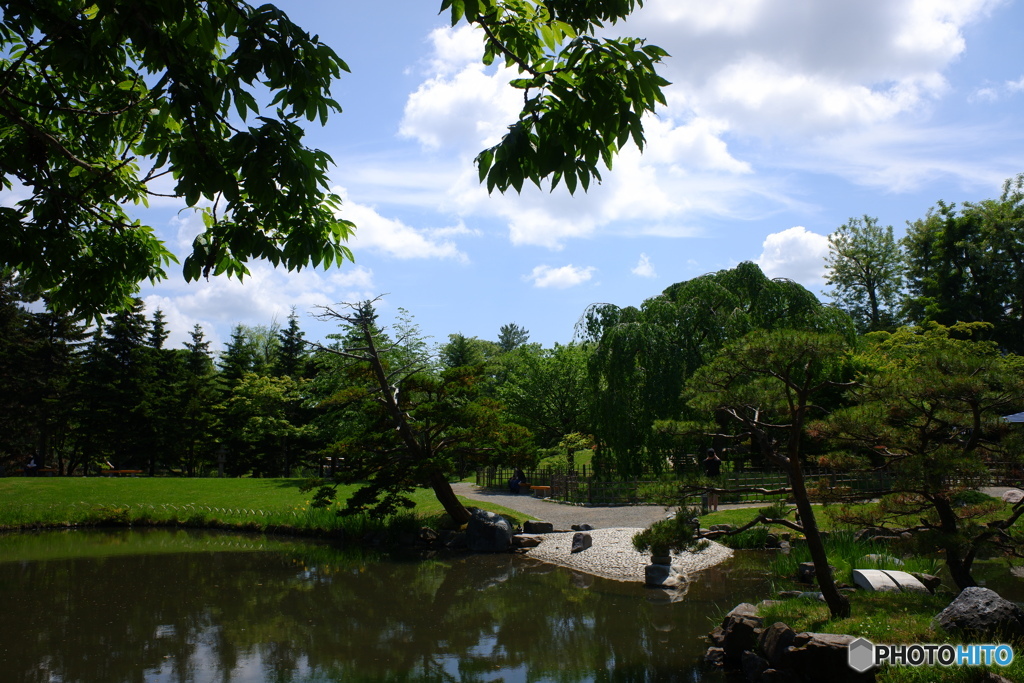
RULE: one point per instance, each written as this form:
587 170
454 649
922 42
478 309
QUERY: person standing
712 465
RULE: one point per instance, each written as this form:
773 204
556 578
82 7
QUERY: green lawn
253 504
889 618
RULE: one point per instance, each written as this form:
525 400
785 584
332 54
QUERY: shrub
971 497
674 534
752 539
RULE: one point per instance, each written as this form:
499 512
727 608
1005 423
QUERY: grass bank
891 618
259 505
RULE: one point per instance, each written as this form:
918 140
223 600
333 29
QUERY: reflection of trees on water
322 615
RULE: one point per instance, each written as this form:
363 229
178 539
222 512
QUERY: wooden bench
47 472
541 491
120 473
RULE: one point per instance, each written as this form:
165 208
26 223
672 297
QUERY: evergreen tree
462 351
53 359
413 426
198 392
238 358
158 331
16 443
512 336
768 386
116 416
163 367
291 350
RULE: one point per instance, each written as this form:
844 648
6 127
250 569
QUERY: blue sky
785 118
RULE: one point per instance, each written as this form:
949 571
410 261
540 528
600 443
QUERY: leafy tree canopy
929 411
643 356
966 264
107 104
411 426
102 101
865 267
769 384
583 96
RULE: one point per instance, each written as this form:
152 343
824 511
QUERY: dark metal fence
1006 474
584 487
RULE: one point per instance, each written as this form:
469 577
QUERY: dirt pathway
563 516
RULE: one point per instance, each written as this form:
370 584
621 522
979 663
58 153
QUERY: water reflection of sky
220 611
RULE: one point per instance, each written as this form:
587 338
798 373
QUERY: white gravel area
612 555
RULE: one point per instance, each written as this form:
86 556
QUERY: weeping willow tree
644 355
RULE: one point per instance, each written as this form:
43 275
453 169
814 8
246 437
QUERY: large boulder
982 612
536 527
741 629
526 540
580 542
775 640
823 657
488 532
1013 496
753 665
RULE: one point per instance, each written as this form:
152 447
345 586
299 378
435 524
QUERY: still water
156 605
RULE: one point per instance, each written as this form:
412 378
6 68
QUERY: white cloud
895 159
559 278
266 295
396 239
768 98
644 267
986 94
796 254
695 145
758 86
357 276
455 48
463 104
779 68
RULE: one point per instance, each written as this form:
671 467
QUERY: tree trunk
837 603
446 496
958 563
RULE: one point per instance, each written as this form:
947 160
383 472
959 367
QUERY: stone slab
908 583
890 580
874 580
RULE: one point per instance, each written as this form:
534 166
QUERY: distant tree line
909 369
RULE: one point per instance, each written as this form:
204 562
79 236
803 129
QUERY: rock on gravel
612 555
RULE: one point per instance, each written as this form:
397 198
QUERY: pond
160 605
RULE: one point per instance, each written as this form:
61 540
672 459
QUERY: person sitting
517 479
31 467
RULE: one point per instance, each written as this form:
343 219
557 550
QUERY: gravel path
564 516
